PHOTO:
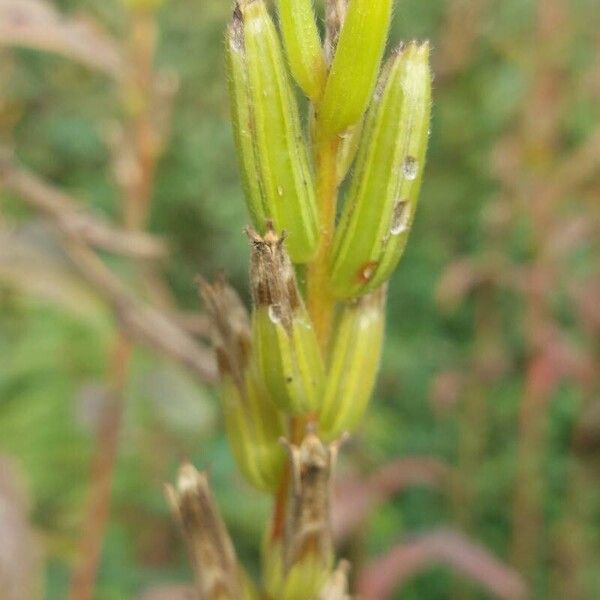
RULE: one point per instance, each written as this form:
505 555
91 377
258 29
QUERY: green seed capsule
253 424
273 158
383 195
355 64
287 352
253 429
303 46
354 363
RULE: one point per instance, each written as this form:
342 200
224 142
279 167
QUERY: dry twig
67 215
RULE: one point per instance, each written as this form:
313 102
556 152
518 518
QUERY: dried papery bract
335 15
273 157
383 196
253 424
213 557
303 559
286 349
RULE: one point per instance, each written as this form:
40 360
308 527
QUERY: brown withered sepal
272 278
211 551
335 14
308 525
230 327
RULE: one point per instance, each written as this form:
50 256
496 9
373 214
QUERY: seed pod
355 64
253 424
381 203
277 178
287 352
354 363
303 46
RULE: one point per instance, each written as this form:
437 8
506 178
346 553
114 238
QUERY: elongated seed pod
303 46
355 64
277 177
287 352
381 203
253 424
354 363
253 429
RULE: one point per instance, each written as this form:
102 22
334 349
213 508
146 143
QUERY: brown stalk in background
137 144
538 135
137 185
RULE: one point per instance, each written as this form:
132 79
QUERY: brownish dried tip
308 528
230 326
211 551
272 277
337 585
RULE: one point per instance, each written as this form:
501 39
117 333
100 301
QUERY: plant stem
320 301
102 469
136 199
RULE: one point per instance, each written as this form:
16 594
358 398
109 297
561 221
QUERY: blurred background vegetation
486 419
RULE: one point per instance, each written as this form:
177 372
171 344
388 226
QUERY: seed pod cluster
279 380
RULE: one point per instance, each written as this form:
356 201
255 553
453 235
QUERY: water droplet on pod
280 190
400 218
274 312
410 168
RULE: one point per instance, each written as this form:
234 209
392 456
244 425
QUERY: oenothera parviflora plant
297 371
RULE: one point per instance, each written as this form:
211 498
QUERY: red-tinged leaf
356 499
390 572
36 24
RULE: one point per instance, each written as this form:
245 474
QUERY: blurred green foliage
53 356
